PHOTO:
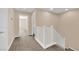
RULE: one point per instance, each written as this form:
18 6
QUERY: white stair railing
47 36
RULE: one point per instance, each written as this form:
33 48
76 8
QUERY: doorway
23 25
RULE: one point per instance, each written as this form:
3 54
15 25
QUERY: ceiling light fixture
24 8
66 9
51 8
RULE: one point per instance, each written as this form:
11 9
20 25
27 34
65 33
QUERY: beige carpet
28 43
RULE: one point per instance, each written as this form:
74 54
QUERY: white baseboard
53 43
42 45
73 49
10 44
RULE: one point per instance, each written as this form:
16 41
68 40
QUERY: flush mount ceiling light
66 9
24 8
51 9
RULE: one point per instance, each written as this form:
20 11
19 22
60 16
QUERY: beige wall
30 25
67 24
69 28
45 18
16 24
11 20
13 25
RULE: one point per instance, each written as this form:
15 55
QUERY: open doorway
23 25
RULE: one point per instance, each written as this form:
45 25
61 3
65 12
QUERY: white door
23 25
3 28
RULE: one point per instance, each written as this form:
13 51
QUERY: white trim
73 49
61 46
44 36
42 45
10 44
53 43
60 42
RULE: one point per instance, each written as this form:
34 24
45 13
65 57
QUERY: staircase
47 36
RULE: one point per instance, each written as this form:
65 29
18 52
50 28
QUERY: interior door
3 28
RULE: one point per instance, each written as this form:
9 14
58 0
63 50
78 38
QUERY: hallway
49 29
28 43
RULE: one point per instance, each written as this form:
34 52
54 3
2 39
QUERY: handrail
45 35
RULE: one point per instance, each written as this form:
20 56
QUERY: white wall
3 28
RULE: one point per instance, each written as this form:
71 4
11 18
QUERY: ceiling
55 10
29 10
